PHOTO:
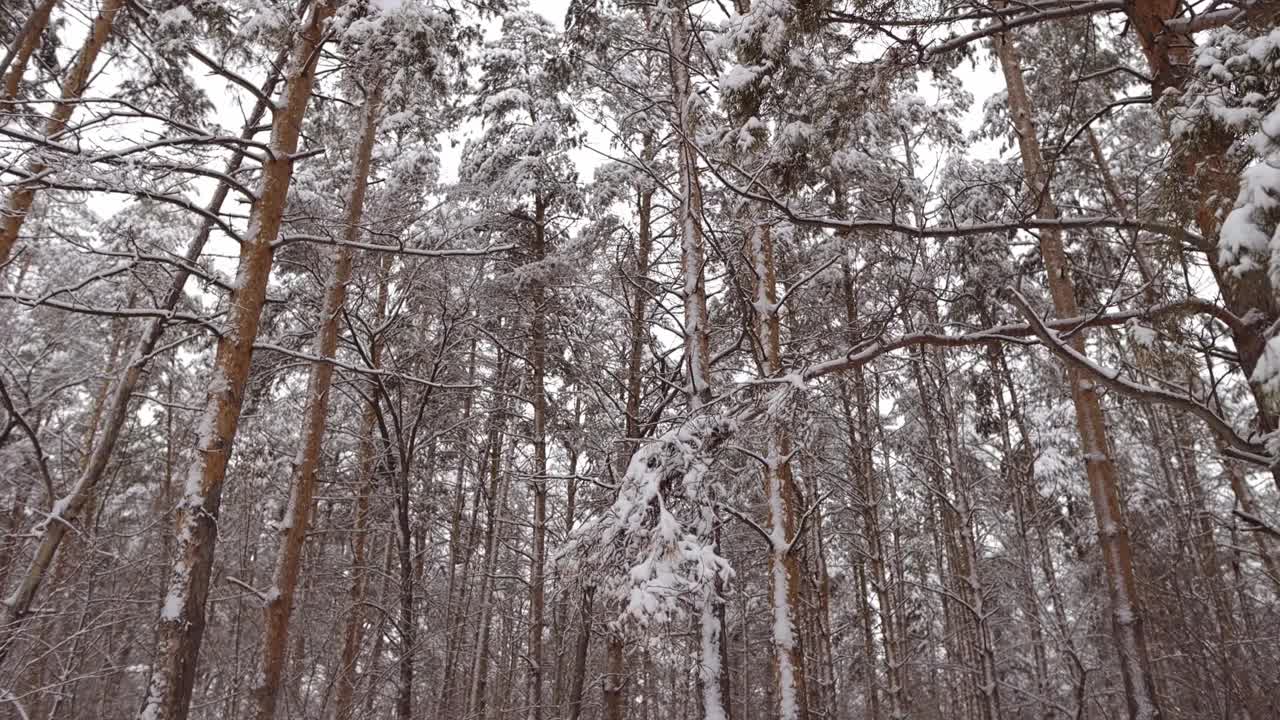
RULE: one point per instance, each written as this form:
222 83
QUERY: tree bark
689 215
782 497
73 85
580 656
1127 616
407 622
713 678
182 616
297 515
24 46
538 483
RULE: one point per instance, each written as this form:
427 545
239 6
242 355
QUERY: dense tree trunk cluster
794 360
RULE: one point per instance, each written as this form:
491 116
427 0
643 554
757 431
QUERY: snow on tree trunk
1130 639
182 615
689 213
780 494
297 514
1207 163
19 201
697 345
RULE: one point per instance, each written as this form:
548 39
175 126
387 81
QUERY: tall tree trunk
615 670
297 515
182 616
495 499
713 677
18 203
455 608
689 216
782 498
583 644
1127 616
538 483
862 459
1019 474
120 396
407 622
353 633
14 65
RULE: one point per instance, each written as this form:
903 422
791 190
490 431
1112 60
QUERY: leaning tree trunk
116 411
73 85
1126 610
297 515
14 65
182 617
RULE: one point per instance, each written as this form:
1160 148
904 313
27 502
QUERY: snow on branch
655 545
1020 333
1242 448
755 191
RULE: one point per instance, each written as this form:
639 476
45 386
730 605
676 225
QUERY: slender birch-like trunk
689 215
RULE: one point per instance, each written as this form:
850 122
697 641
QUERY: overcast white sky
982 82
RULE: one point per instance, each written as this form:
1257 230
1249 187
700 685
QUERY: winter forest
643 360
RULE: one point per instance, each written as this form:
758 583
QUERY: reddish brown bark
182 619
297 516
24 47
1127 616
18 204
